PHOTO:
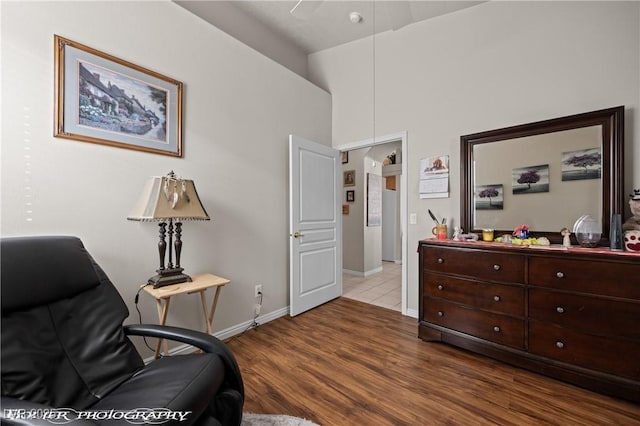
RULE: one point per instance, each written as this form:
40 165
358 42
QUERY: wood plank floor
349 363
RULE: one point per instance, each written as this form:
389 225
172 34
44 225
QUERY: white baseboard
262 319
362 274
412 313
229 332
373 271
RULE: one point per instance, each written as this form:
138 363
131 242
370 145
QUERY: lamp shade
168 197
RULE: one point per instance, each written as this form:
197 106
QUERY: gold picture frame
102 99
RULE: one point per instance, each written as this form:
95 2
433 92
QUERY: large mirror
544 174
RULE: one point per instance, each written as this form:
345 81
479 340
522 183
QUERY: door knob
296 235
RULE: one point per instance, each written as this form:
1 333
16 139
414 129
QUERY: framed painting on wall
351 196
349 178
103 99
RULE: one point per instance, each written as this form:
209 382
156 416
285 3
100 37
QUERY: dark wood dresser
570 314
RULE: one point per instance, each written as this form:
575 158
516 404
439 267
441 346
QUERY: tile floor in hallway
380 289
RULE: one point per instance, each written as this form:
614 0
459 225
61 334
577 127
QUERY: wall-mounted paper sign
434 177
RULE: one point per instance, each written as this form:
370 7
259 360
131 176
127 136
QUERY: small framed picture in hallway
103 99
351 196
349 178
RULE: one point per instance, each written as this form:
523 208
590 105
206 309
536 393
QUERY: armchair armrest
206 342
19 412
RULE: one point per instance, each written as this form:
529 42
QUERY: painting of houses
114 102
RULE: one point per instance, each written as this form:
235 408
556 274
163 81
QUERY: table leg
203 298
212 311
163 310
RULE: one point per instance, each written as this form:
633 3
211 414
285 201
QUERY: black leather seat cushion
158 385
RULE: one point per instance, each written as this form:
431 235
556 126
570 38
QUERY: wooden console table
200 284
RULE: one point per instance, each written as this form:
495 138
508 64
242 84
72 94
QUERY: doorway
378 277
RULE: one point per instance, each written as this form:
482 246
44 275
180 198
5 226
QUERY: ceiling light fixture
355 17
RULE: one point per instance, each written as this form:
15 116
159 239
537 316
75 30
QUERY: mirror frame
612 122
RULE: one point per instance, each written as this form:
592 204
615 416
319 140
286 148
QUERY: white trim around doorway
379 140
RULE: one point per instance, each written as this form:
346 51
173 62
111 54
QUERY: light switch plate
413 219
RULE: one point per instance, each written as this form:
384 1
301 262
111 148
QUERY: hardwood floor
350 363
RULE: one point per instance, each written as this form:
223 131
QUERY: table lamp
168 200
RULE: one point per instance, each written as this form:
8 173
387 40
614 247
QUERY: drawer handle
440 287
496 298
496 329
496 267
559 345
560 310
440 313
440 260
560 274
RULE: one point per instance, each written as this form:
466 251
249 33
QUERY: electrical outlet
258 290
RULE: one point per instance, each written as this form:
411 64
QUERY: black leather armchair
64 347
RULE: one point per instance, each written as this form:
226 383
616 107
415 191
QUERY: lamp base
168 277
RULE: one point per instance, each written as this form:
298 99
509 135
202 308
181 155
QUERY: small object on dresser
632 240
633 223
543 241
587 231
440 231
457 231
468 237
566 237
487 235
615 232
433 217
521 232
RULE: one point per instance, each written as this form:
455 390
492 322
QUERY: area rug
252 419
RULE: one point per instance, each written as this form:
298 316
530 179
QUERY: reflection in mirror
548 179
545 174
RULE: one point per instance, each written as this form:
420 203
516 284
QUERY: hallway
381 289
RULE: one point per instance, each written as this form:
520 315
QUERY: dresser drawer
478 264
585 313
497 328
617 279
619 357
507 299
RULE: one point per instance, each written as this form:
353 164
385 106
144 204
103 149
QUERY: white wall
372 234
228 17
353 224
239 109
489 66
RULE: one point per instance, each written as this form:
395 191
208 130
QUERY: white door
315 224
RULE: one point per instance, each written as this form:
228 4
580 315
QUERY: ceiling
314 25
